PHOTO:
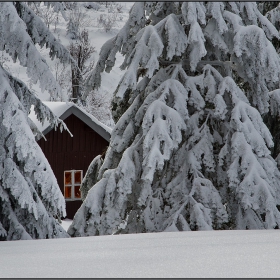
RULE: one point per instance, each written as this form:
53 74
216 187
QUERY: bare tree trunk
81 51
76 83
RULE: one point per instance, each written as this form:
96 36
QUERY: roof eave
86 119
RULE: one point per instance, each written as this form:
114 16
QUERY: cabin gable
84 118
72 153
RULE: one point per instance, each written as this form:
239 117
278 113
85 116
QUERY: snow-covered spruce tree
30 199
190 150
268 6
72 30
272 11
91 176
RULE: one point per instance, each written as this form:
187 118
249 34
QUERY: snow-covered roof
64 110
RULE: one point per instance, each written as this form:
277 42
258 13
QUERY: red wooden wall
67 153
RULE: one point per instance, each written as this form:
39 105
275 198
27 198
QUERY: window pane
78 177
67 178
77 192
67 192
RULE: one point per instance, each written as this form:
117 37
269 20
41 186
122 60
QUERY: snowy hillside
97 35
181 254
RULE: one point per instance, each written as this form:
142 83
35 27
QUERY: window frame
72 185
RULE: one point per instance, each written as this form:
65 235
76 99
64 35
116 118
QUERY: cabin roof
64 110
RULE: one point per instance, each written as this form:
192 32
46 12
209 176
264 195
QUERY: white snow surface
66 223
58 108
252 253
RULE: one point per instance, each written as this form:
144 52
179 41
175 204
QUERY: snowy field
181 254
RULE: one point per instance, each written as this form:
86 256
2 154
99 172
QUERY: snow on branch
274 102
40 34
28 99
256 18
16 41
250 61
121 42
57 7
149 47
193 11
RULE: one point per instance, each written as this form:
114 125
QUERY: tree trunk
76 79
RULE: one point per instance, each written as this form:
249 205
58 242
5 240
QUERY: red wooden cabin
69 156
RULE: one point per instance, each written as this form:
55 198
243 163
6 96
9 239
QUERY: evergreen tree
272 11
268 6
31 202
72 30
190 150
91 176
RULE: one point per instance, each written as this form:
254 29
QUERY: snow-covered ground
66 223
179 254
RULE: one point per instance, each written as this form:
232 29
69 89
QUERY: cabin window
72 183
